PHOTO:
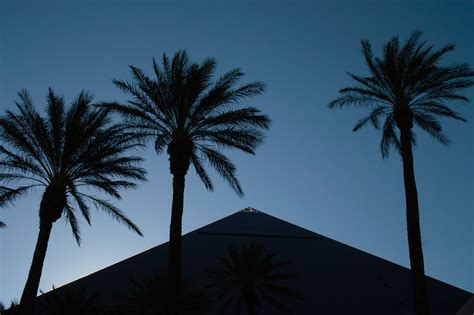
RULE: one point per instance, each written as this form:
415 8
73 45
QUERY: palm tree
408 86
182 112
64 152
251 276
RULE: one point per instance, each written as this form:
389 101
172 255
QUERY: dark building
330 277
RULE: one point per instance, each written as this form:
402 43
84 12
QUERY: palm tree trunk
413 225
36 268
174 255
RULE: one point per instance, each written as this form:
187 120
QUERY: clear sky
312 171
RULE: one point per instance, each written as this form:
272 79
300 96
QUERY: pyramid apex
250 209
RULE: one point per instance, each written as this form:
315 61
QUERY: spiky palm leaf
409 83
79 148
181 104
250 276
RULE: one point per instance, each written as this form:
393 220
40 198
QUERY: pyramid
468 308
331 277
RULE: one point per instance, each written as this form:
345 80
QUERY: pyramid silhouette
333 278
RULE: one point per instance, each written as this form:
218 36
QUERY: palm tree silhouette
408 86
64 152
150 296
251 276
182 112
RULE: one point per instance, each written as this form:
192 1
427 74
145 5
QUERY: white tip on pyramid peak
250 209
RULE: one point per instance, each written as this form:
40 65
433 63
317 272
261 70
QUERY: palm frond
430 125
389 137
82 204
245 117
438 109
201 171
55 110
407 82
372 117
113 211
244 139
223 166
72 220
9 195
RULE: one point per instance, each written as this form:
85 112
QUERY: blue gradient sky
312 171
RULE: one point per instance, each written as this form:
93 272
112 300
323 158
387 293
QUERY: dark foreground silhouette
333 278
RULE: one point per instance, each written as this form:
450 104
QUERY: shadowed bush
251 277
151 296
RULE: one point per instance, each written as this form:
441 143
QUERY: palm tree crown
65 151
184 113
250 276
407 86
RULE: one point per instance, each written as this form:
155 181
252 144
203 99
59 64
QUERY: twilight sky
312 171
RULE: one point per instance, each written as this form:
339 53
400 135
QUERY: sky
312 171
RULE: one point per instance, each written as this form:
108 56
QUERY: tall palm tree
407 86
249 276
181 111
64 152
